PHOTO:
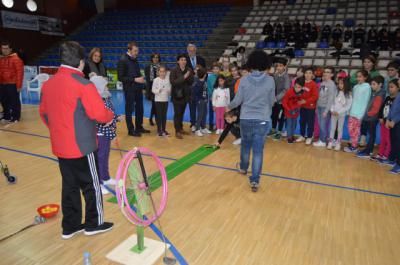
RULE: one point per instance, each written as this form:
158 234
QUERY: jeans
291 126
103 155
395 142
201 114
210 115
161 115
192 110
307 117
253 134
372 135
323 124
278 118
133 99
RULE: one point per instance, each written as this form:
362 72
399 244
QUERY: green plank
176 168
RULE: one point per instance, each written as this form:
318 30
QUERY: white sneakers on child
205 131
338 146
319 144
308 141
104 190
110 182
237 141
193 128
330 145
199 133
218 131
300 139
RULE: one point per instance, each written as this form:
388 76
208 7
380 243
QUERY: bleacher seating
164 31
324 12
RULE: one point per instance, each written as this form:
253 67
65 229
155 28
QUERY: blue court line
153 227
262 174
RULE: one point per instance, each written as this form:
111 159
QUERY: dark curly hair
259 60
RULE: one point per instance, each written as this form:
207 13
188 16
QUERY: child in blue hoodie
393 123
200 97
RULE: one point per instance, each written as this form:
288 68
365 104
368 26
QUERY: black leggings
161 109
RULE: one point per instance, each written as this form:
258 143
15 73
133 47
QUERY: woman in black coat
94 64
150 73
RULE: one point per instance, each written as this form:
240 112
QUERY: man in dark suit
193 60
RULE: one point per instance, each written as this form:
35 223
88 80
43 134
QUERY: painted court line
233 169
153 227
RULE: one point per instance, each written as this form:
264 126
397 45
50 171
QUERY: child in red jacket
307 111
291 105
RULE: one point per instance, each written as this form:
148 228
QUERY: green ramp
174 169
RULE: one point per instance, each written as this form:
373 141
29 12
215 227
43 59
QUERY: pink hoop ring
122 198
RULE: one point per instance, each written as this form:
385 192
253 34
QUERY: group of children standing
322 108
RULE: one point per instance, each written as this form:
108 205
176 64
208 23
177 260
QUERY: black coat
200 60
128 69
181 87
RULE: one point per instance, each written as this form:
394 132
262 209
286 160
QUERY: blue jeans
201 114
323 124
192 110
307 118
291 126
253 134
210 115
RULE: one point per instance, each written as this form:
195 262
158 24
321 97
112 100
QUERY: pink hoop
122 198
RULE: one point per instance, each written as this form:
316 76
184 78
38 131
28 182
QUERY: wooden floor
212 217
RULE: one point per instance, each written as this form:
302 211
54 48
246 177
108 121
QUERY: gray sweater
282 84
256 96
327 94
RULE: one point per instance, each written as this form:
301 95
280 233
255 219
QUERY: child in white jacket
220 100
339 110
162 90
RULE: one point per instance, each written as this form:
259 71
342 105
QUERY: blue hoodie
256 96
361 96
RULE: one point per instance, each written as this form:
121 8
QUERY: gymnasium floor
314 206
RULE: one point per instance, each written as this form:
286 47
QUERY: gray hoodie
327 94
256 96
282 84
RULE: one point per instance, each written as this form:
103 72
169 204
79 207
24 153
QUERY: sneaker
70 234
387 162
100 229
272 132
377 157
205 131
218 131
290 140
395 169
104 190
284 134
241 171
300 139
330 145
277 136
166 134
308 141
193 128
143 130
135 134
350 149
338 146
319 144
198 133
254 186
110 182
237 141
363 154
160 134
363 140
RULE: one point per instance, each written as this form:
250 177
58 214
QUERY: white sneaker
198 133
300 139
205 131
338 146
330 145
193 128
308 141
319 144
363 140
104 191
110 182
237 141
218 131
284 134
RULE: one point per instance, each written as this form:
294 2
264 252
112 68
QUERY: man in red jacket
11 76
70 107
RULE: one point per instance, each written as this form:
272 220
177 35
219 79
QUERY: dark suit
192 106
199 60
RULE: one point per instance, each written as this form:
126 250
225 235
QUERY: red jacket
310 95
11 70
290 103
70 107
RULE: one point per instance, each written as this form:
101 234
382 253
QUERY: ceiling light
8 3
31 5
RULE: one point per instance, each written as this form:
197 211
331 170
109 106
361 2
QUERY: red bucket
48 210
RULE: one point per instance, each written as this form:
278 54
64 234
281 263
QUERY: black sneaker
100 229
254 186
69 234
135 134
142 130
